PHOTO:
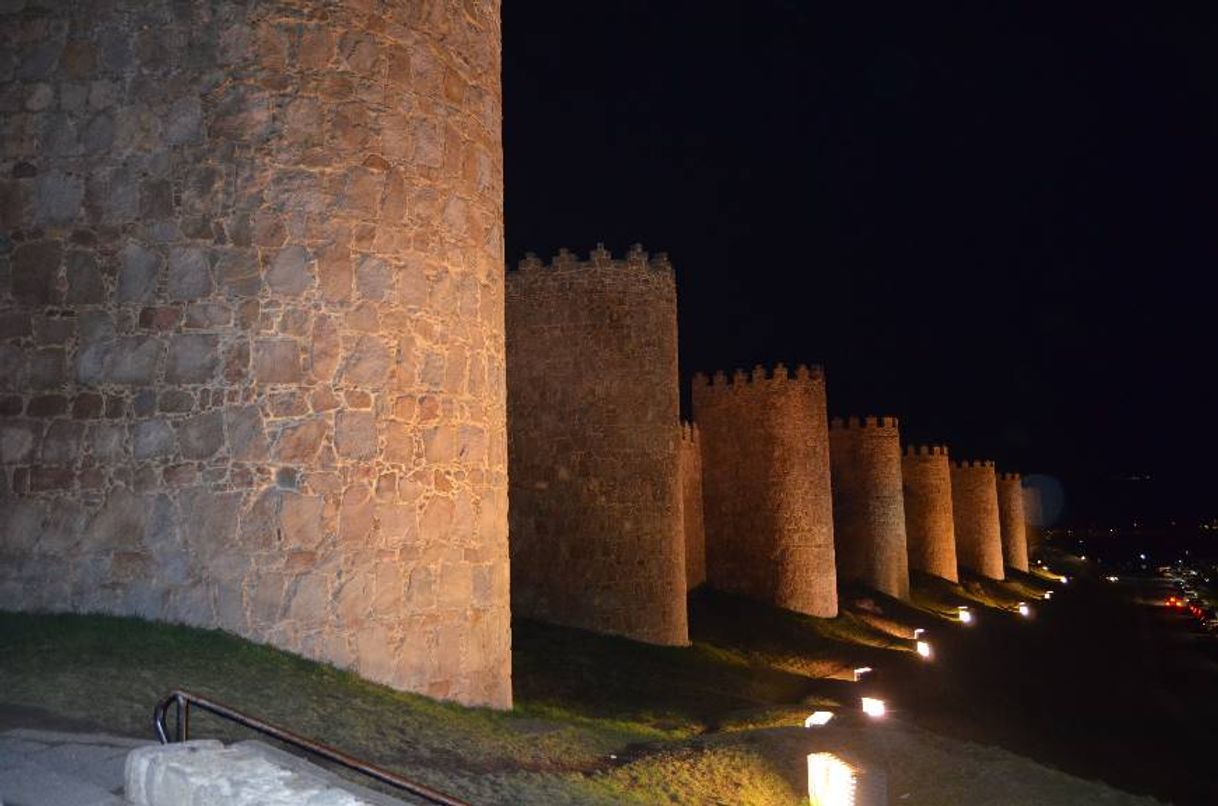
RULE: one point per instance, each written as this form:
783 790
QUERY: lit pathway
45 768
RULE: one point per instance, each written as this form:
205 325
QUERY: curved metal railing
185 700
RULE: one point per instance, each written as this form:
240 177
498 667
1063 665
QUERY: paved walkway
47 768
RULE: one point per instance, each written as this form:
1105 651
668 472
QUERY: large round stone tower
868 503
929 531
765 473
251 326
975 515
1012 521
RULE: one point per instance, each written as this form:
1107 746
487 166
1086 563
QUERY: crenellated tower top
600 257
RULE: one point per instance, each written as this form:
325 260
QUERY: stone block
292 271
138 271
152 438
277 361
192 358
355 434
189 274
202 436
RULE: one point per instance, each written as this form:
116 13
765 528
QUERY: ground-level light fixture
966 615
818 718
860 672
873 707
924 648
831 781
1024 610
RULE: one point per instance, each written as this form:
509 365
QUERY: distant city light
918 631
1048 594
1065 580
1113 578
1085 557
1024 610
873 708
924 649
1142 556
831 781
966 616
818 718
860 671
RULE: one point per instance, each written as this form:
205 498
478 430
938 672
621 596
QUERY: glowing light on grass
818 718
966 615
873 707
1024 610
831 781
860 672
924 649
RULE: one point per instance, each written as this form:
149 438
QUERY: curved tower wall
251 327
1034 519
765 475
930 532
868 503
975 514
596 518
1012 521
691 504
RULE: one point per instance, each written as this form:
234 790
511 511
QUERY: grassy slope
598 720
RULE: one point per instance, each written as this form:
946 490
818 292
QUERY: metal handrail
185 699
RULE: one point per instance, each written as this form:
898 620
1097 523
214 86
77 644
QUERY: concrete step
204 772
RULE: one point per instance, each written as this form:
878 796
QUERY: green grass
598 719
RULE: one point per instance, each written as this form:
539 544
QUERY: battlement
689 432
600 257
965 463
1010 476
845 423
759 376
926 450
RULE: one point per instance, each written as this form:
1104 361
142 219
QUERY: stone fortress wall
868 503
691 505
975 516
597 539
1012 522
251 327
930 532
765 475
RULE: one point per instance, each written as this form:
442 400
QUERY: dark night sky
993 220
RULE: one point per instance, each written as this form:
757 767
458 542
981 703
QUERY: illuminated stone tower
975 515
868 503
596 516
765 476
691 505
251 327
929 529
1012 521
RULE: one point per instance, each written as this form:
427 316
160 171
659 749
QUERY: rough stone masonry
251 326
1012 522
765 473
596 516
975 518
868 503
929 531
